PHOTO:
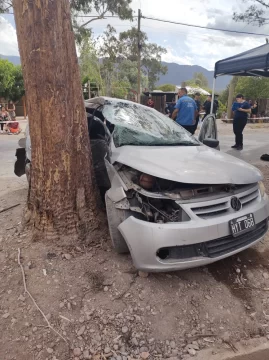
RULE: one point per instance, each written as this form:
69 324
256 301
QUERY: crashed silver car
173 201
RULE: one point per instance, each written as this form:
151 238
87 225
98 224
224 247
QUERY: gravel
77 352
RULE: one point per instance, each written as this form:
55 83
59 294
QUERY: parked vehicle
172 200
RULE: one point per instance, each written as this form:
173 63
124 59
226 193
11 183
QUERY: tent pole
213 94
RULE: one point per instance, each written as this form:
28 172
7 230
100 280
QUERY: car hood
187 164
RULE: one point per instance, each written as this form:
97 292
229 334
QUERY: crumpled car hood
187 164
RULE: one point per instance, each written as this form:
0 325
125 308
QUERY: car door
208 129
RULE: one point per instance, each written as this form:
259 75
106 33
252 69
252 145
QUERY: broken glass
138 125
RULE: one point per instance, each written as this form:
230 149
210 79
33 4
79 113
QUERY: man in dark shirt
241 109
207 106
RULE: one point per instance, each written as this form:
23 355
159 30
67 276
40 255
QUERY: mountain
14 59
176 74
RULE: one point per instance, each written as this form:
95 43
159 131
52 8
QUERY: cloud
172 57
185 45
8 38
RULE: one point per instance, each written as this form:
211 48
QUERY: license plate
242 225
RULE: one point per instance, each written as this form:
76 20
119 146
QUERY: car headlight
262 188
147 181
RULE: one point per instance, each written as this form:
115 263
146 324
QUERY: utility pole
139 56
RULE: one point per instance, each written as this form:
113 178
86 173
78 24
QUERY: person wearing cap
241 109
185 111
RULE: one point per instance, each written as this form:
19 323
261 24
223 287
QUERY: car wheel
114 218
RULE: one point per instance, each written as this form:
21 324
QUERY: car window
208 129
139 125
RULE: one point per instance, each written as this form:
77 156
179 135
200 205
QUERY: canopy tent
253 62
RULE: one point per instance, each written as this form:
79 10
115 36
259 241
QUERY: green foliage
17 89
5 6
11 81
6 76
101 8
109 50
166 87
200 80
151 54
253 87
120 54
222 108
104 7
120 89
223 96
254 14
90 67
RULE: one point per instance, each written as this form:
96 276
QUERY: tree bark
62 194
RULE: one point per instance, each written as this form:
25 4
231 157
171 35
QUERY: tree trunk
62 193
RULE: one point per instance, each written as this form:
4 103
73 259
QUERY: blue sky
184 45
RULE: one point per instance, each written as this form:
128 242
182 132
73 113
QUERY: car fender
117 191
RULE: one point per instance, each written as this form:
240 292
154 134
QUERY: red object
14 125
150 103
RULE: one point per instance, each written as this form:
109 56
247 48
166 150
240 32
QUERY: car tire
114 218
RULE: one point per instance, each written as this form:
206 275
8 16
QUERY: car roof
102 100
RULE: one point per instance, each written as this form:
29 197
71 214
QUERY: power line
203 27
101 18
170 22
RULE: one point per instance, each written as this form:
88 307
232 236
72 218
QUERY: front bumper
145 239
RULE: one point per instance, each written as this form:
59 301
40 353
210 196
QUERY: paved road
256 143
254 146
8 180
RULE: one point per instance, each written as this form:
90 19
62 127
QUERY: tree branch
261 2
100 17
31 297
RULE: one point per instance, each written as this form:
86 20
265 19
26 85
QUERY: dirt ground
101 308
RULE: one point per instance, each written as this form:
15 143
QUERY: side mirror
213 143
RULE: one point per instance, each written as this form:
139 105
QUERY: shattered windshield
139 125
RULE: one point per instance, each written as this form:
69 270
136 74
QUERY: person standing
207 106
197 97
185 111
254 109
241 109
4 116
11 109
171 107
150 102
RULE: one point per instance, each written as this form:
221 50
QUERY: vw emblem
236 203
